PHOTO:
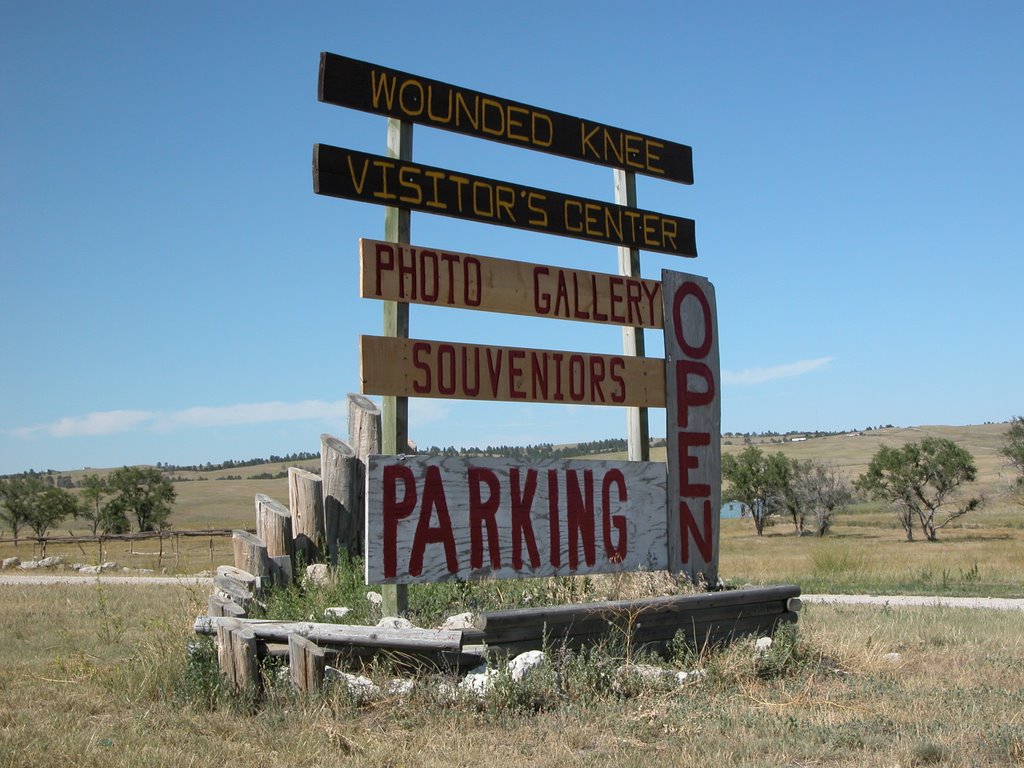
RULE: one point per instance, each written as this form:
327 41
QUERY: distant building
732 510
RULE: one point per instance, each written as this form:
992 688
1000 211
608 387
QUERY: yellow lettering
471 114
430 107
417 98
539 118
586 140
459 182
405 181
612 223
649 231
669 231
652 158
632 152
579 207
362 179
383 192
506 198
381 84
514 123
494 110
615 147
541 218
436 202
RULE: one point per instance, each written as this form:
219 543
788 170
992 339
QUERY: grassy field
98 676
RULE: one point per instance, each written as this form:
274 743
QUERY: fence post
337 461
306 501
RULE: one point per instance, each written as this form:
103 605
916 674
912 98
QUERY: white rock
762 645
479 683
458 621
688 677
399 686
522 665
89 570
29 565
51 562
395 622
318 574
647 672
361 688
10 562
336 613
375 598
110 565
892 657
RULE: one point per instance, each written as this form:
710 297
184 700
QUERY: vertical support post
638 434
395 410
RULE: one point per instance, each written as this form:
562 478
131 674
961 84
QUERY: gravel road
992 603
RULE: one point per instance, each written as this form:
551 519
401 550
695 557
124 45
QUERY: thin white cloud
784 371
252 413
98 423
111 422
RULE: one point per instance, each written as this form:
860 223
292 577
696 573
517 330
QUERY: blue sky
172 290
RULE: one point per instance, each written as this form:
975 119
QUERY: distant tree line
533 452
237 464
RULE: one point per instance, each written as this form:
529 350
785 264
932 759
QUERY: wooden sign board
694 420
353 175
420 368
356 84
432 519
439 277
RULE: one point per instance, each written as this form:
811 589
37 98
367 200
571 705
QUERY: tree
105 518
921 482
48 508
143 492
822 491
1013 450
18 495
759 481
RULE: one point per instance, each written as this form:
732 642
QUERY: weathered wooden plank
436 640
250 554
306 501
233 590
421 368
274 526
438 519
693 424
337 469
218 605
440 277
354 175
616 608
360 85
365 435
306 663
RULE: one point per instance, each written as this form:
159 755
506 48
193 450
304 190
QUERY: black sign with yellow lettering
356 84
370 178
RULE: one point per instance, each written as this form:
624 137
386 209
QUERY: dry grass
97 677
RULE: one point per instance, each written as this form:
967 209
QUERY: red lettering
522 525
691 289
515 374
382 263
615 374
433 500
577 372
482 513
494 369
688 462
555 535
418 349
685 397
446 367
580 508
596 377
688 527
468 280
616 298
541 301
394 511
593 294
616 553
472 390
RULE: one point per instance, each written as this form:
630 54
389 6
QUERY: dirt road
992 603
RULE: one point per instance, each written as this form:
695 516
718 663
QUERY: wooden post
638 435
307 663
337 460
365 436
236 656
218 605
395 410
306 501
250 554
274 526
